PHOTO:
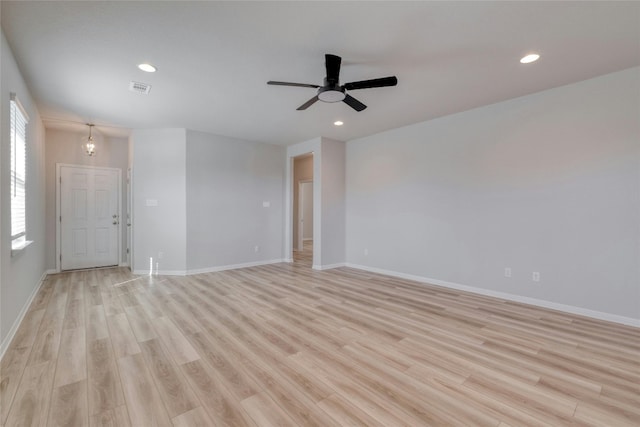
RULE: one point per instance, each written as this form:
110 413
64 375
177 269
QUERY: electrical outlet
256 248
507 272
535 276
366 251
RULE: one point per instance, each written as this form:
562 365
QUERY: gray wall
63 146
333 203
548 182
159 175
20 274
227 182
210 191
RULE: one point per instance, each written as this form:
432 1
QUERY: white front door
89 217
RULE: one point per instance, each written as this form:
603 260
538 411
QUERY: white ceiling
214 59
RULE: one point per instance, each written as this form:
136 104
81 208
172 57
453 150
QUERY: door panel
89 225
102 241
79 204
80 242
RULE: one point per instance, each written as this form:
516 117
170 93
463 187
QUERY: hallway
304 258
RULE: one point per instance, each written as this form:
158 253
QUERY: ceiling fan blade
271 82
308 104
354 103
366 84
332 63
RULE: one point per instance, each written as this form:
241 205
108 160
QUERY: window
18 130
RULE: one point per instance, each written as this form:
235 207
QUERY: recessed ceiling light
338 123
532 57
147 67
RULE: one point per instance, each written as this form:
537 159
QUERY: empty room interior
320 213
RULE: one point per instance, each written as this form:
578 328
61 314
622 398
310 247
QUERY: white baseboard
16 324
630 321
329 266
209 269
234 266
161 273
171 273
123 264
52 271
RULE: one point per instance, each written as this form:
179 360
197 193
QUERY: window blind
18 131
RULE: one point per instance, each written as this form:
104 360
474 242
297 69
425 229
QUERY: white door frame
300 224
129 218
59 166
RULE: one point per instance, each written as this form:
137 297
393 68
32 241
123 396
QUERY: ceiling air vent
139 87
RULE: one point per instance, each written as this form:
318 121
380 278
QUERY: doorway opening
303 209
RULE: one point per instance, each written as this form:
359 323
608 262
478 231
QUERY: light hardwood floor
283 345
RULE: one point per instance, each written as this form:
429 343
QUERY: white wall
548 182
63 146
20 275
227 182
159 174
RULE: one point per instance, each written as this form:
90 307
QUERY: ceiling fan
332 91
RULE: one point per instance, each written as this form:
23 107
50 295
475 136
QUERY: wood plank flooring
283 345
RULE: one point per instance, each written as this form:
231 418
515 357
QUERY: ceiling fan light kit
331 94
331 91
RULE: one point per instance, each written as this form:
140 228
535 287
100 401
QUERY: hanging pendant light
90 145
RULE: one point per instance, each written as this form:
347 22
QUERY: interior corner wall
546 183
159 214
63 146
228 182
20 274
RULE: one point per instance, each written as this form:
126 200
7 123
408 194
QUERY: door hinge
60 180
60 218
127 250
60 257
